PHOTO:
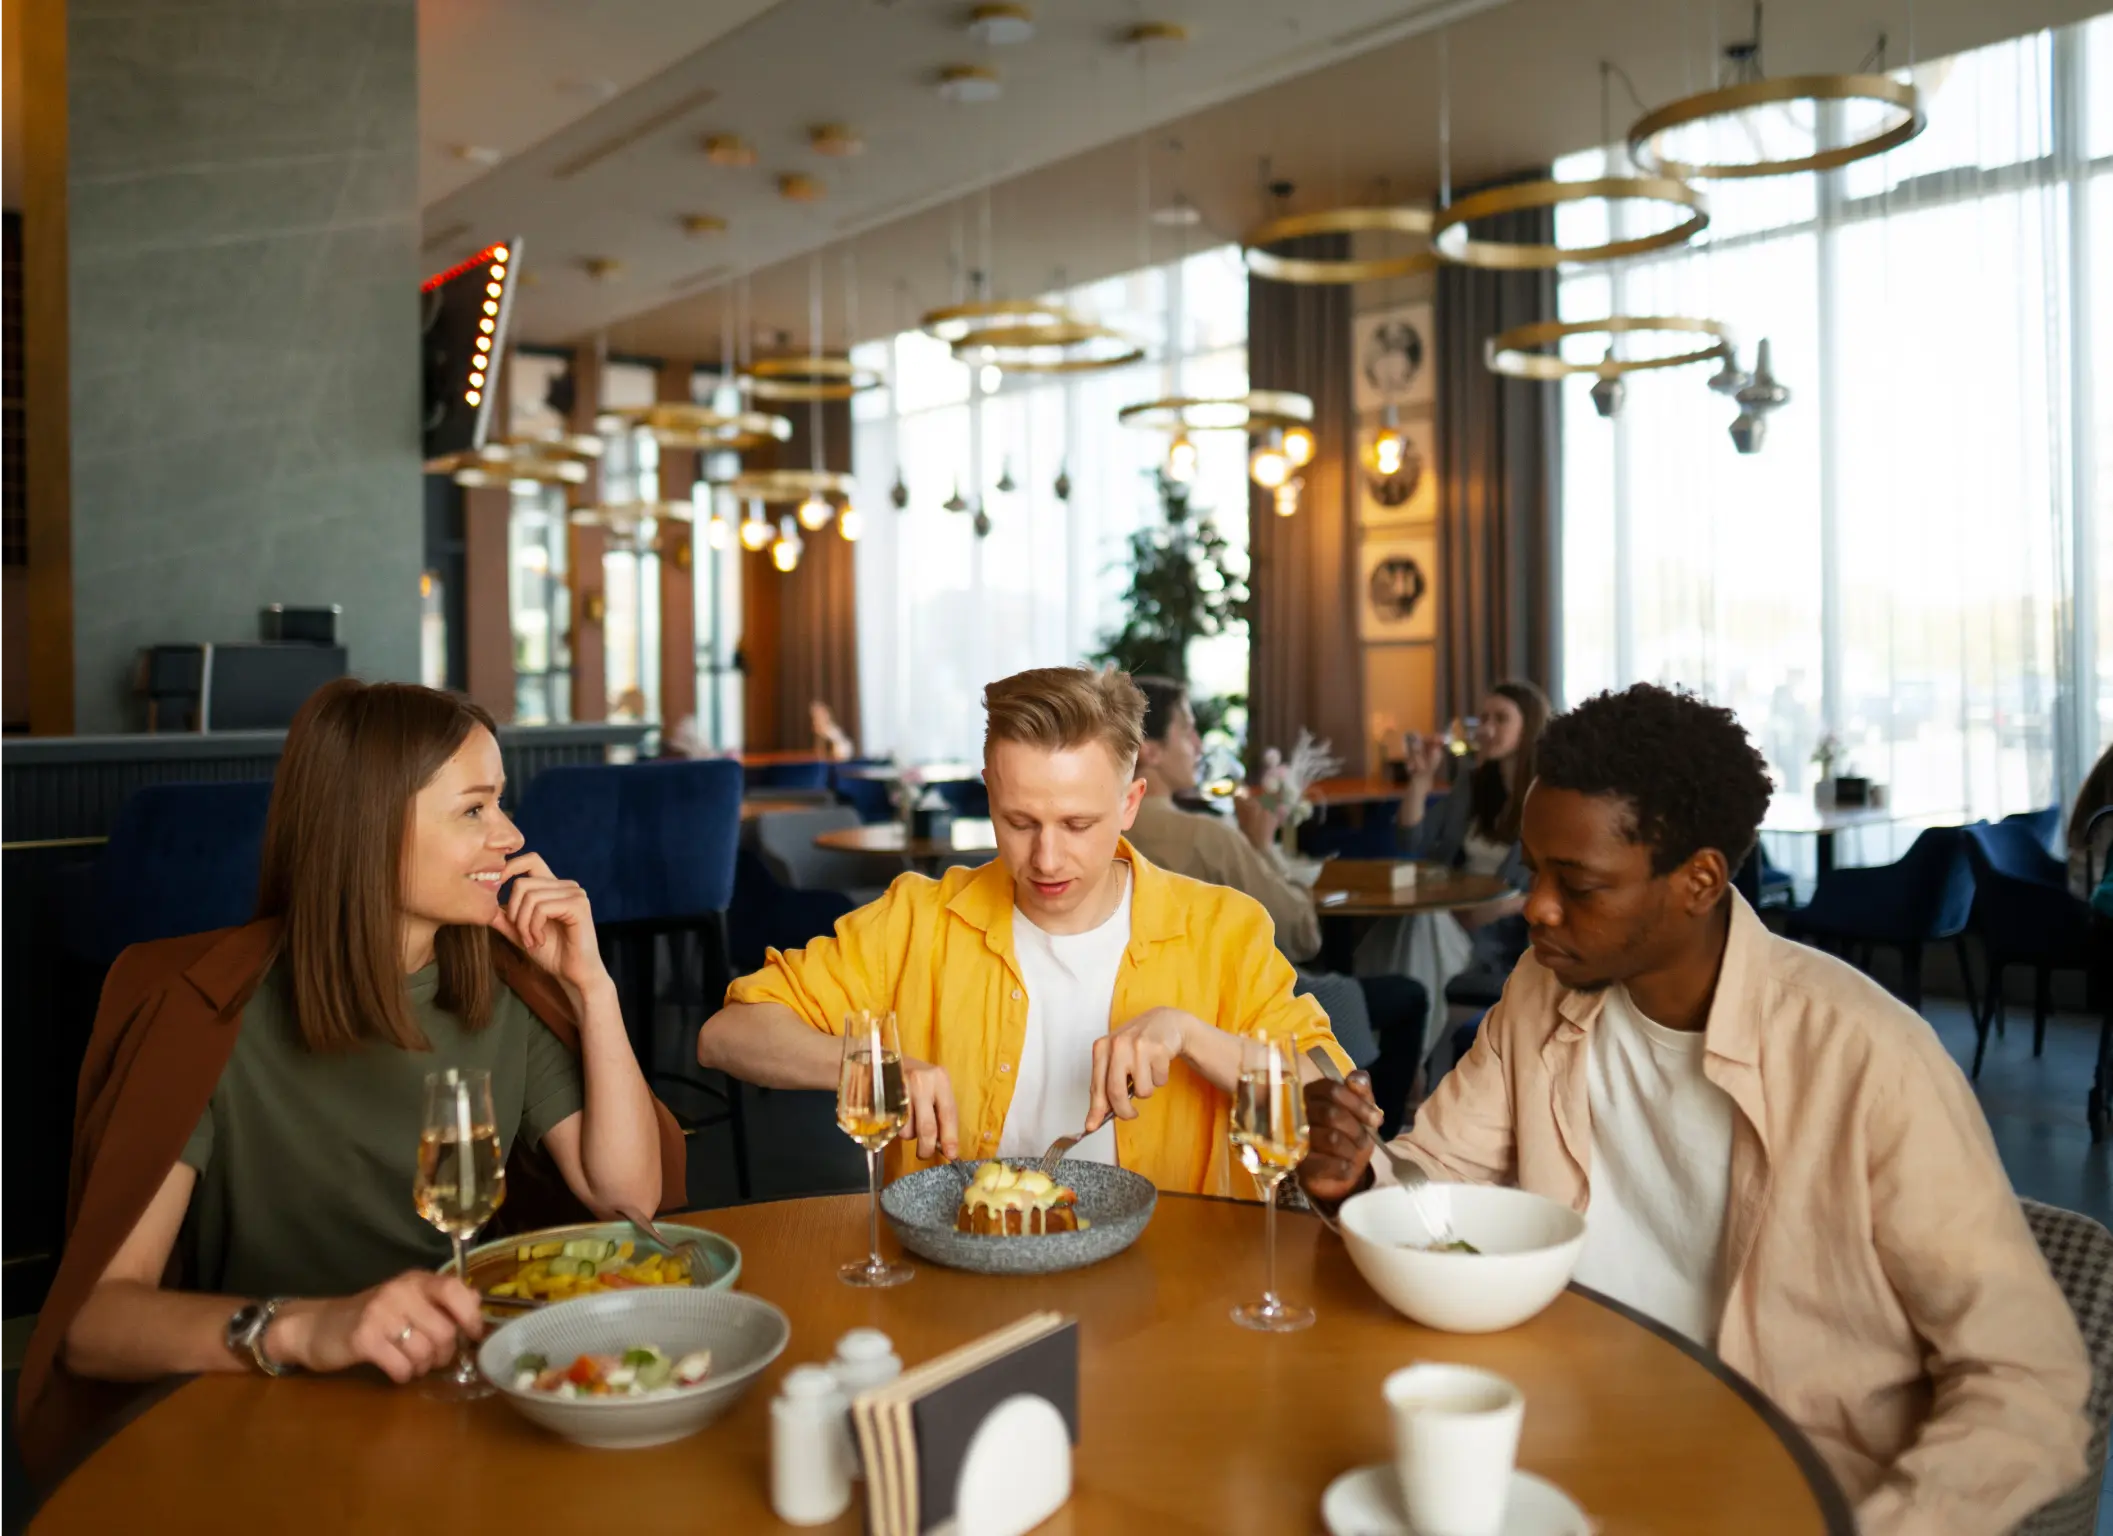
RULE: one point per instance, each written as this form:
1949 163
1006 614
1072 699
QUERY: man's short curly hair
1691 777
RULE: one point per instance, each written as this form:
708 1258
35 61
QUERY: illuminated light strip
497 254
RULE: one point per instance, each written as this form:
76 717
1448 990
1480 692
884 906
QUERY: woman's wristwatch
245 1334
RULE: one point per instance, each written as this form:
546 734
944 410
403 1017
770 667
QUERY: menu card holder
978 1441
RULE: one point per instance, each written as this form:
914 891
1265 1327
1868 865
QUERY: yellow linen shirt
940 953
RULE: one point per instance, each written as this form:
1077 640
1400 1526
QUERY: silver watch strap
266 1311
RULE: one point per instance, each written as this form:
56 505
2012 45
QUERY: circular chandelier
953 323
815 377
1450 237
1078 346
1255 411
1516 353
533 460
1654 145
1264 262
700 427
775 487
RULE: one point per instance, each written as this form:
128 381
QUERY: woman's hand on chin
550 921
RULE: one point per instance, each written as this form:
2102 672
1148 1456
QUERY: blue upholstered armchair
1925 897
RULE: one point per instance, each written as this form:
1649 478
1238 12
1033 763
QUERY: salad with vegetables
584 1266
642 1370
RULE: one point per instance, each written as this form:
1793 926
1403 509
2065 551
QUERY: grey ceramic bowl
744 1334
1116 1203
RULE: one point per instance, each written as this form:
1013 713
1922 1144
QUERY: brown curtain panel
1499 481
1305 666
800 630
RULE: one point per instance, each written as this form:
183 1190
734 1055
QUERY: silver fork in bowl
687 1251
1407 1171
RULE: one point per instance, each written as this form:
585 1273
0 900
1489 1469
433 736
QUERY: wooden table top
1354 791
930 773
1437 889
764 806
1189 1424
969 834
779 758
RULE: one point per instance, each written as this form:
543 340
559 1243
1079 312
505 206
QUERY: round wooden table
1189 1424
1437 889
969 835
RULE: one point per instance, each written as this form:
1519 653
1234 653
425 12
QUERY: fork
1407 1171
1056 1152
687 1251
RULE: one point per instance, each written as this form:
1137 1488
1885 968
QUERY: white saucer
1367 1502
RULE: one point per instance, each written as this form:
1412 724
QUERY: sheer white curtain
942 612
1917 560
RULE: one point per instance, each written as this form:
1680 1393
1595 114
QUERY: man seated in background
1378 1020
1069 985
1773 1155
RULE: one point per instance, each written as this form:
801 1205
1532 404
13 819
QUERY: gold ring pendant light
1450 236
674 424
1516 353
1649 149
1049 349
1256 411
775 487
1314 271
816 377
542 461
954 322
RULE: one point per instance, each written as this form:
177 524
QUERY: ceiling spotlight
478 154
703 224
1179 214
602 268
729 149
814 513
1299 446
1181 460
1001 26
969 84
795 188
850 523
835 140
1156 32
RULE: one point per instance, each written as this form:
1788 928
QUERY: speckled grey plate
1115 1202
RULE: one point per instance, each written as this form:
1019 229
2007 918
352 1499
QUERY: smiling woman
274 1160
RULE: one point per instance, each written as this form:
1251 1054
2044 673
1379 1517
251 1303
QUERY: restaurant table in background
969 835
1791 816
1187 1422
1437 889
931 773
764 805
1347 791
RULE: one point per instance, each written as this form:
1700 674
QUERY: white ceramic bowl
1529 1246
744 1334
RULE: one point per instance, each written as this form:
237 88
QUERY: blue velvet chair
2044 824
966 797
182 858
2024 915
654 844
869 797
1927 897
1762 883
814 775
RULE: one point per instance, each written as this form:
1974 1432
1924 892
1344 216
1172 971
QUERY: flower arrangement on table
905 792
1828 754
1285 781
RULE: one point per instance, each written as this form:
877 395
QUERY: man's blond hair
1056 708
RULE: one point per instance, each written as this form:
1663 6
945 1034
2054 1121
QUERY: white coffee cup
1456 1436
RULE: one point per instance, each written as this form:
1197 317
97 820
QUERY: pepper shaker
808 1482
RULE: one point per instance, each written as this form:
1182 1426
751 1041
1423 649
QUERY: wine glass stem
873 1215
1269 1243
461 1367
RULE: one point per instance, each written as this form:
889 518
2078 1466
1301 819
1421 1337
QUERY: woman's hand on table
1338 1160
933 1123
404 1326
551 922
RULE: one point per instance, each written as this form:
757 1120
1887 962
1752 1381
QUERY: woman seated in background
1475 828
247 1130
2089 850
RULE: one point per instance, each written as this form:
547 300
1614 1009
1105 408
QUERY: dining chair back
814 775
182 858
2024 915
2080 1253
2043 826
965 797
1925 897
785 842
869 797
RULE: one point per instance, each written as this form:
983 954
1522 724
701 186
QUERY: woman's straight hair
333 871
1495 811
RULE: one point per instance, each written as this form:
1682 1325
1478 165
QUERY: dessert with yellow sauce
1011 1202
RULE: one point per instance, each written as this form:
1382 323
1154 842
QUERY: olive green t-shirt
305 1160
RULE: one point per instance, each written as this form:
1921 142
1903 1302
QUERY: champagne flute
872 1107
460 1184
1269 1136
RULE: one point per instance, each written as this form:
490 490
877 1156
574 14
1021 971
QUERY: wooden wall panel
46 374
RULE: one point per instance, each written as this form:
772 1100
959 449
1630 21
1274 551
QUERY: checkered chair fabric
2080 1252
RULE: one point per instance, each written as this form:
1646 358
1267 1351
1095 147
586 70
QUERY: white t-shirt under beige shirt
1661 1170
1070 981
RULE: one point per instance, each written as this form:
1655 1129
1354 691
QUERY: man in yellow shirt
1070 985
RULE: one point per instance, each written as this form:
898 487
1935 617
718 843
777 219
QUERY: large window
1920 559
941 611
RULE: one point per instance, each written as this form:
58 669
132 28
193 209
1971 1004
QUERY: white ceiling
1346 116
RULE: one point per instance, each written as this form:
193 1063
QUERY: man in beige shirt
1773 1155
1379 1020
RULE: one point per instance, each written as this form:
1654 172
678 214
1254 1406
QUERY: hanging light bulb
785 553
755 532
1006 483
814 514
1063 481
899 493
992 377
1759 395
1287 496
1181 460
850 523
1389 447
1299 446
717 533
982 524
954 503
1269 466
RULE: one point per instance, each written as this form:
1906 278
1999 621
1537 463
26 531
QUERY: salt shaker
808 1481
865 1358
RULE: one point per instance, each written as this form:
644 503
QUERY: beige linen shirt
1880 1282
1210 848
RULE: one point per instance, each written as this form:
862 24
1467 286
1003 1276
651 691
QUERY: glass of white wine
872 1107
460 1185
1269 1138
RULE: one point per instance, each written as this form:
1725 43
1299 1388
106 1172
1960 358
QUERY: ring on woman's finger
403 1334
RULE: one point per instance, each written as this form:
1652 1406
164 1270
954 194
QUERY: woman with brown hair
249 1110
1475 827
